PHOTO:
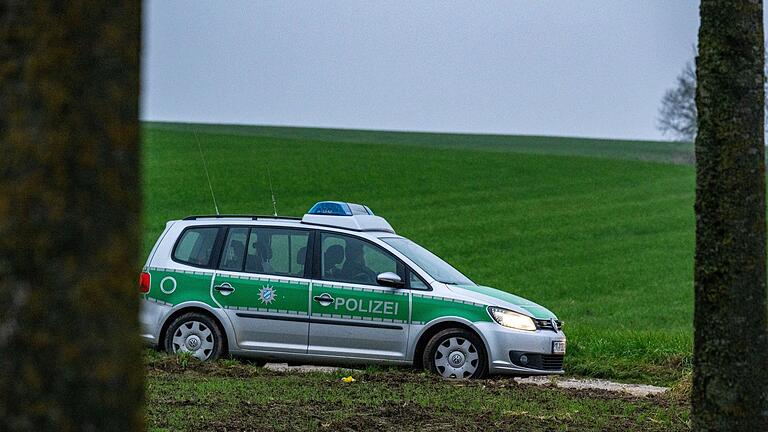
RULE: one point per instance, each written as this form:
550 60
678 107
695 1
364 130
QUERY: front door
261 285
351 314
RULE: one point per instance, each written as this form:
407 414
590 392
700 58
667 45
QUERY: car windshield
429 262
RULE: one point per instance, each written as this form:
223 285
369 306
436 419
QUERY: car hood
495 297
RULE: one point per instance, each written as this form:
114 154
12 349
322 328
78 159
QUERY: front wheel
196 334
456 354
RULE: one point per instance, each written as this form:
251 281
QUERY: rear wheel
196 334
456 354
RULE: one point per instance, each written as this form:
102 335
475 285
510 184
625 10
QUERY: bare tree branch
677 116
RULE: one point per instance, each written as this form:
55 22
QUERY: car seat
301 256
253 263
235 256
334 255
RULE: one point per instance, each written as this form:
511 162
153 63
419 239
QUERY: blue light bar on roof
338 208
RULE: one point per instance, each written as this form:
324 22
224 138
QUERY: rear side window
196 246
271 251
277 251
234 249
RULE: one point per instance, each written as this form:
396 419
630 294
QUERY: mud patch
403 417
230 395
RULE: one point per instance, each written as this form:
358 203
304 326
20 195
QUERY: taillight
144 283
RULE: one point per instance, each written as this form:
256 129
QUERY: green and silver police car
337 286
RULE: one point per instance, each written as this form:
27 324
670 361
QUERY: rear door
261 284
351 314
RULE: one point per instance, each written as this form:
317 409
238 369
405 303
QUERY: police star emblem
267 294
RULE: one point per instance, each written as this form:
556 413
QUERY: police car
337 286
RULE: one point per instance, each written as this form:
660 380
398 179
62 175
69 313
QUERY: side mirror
390 279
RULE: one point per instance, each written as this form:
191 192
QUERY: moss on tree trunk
730 383
70 201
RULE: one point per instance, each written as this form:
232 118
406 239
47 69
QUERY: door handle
225 289
324 299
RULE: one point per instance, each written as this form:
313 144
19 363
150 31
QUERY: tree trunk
70 200
730 384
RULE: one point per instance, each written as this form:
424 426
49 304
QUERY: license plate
558 347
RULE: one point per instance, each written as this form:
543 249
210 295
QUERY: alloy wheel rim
456 358
194 337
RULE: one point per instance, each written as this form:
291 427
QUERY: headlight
510 319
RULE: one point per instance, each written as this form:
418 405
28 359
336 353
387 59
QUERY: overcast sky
576 68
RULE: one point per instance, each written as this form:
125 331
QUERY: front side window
196 246
348 259
415 282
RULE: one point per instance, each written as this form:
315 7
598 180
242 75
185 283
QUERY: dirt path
589 383
574 383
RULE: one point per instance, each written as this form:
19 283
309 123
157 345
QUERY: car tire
196 333
456 353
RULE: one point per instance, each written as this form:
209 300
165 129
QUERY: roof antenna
274 201
205 167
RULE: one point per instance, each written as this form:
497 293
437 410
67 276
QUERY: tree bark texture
730 383
70 202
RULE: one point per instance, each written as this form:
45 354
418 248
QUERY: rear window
195 246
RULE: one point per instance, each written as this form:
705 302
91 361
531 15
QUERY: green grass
606 244
660 151
230 395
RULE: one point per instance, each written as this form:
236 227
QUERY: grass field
607 244
230 395
659 151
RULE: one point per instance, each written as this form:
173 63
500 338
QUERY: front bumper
505 345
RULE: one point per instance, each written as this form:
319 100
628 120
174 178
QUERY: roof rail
228 216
